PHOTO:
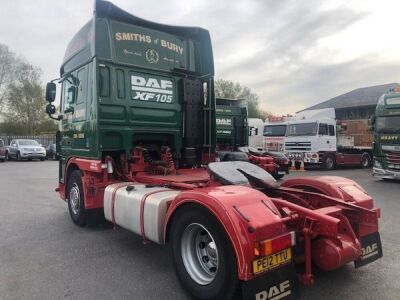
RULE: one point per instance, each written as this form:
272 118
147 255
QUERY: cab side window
67 94
331 130
323 129
81 89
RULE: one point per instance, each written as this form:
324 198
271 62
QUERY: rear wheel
365 161
7 157
329 162
203 257
75 198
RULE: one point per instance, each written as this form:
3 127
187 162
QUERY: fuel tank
138 208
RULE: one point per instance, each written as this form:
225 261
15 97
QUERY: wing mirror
50 109
50 92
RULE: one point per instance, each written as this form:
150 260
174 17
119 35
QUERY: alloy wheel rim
199 254
74 198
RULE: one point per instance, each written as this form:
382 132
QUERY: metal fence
41 139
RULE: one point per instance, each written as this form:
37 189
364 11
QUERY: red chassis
333 218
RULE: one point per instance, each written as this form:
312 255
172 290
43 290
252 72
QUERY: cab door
73 109
327 141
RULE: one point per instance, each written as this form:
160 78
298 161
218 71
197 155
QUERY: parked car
26 149
3 151
51 152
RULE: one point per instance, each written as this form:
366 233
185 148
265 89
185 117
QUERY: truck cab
274 133
386 125
231 123
312 137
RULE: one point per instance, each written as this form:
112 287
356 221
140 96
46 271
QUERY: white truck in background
256 127
315 137
274 133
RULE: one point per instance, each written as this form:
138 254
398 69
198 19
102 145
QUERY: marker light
266 247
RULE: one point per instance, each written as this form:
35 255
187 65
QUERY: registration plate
281 172
272 261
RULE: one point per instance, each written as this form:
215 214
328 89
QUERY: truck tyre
278 176
329 162
75 198
365 160
202 254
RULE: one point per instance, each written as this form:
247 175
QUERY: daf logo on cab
151 89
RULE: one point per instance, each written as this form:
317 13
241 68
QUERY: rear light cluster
266 247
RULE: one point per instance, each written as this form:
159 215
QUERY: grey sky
292 53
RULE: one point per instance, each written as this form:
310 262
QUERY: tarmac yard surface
43 255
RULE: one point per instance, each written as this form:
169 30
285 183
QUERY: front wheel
329 162
203 257
75 198
19 158
366 161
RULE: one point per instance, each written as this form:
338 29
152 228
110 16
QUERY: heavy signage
148 48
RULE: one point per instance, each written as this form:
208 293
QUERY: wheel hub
199 254
74 197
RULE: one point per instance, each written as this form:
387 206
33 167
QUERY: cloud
284 49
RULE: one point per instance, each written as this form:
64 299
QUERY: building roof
366 96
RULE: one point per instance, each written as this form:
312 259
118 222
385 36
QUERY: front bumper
387 174
33 155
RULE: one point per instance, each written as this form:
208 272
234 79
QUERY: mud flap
277 284
371 249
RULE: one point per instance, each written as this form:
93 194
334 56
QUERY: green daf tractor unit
386 126
231 122
127 83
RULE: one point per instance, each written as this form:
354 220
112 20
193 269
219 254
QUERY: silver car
26 149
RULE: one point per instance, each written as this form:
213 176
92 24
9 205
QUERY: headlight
377 164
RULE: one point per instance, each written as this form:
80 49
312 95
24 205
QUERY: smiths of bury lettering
131 36
143 38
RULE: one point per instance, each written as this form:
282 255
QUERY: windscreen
28 143
388 124
274 130
302 129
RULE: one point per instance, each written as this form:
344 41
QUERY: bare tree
7 70
232 90
25 99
